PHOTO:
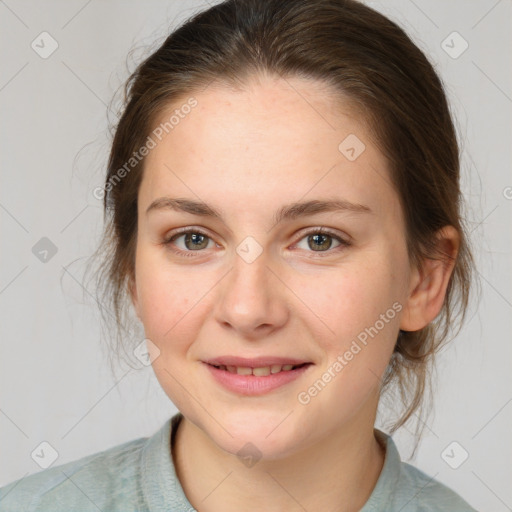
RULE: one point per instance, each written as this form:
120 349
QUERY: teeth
258 372
261 372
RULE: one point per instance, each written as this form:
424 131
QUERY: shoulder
401 486
425 494
98 481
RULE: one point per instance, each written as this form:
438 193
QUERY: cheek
349 301
172 304
363 311
167 300
362 307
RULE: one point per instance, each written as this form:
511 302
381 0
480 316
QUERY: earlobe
430 282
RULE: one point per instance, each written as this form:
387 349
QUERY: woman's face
258 282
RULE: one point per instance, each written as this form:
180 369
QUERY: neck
338 473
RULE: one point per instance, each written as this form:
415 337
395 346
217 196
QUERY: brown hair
361 55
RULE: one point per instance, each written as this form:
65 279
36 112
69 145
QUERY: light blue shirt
139 476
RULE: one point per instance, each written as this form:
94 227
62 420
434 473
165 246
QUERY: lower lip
252 385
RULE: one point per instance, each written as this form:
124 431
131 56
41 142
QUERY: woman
283 213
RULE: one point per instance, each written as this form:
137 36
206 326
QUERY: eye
192 240
321 240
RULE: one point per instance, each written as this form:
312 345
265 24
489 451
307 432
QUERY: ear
429 283
132 290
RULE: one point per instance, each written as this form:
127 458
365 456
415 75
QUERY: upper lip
254 362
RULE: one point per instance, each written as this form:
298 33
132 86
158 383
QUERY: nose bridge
248 283
251 295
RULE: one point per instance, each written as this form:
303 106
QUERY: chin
262 432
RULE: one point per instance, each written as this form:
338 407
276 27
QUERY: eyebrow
287 212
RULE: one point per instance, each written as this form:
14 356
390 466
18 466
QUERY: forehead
275 137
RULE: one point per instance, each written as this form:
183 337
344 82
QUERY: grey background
55 381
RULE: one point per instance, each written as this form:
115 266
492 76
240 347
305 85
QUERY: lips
254 362
255 376
259 367
259 371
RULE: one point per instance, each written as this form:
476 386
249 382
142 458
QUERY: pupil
197 240
319 241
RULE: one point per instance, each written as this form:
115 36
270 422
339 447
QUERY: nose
252 299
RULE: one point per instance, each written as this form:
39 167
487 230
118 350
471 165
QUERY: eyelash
315 231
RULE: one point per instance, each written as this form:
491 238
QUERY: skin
248 153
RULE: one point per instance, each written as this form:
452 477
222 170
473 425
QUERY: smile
258 378
262 371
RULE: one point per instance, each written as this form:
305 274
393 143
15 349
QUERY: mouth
255 376
260 371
